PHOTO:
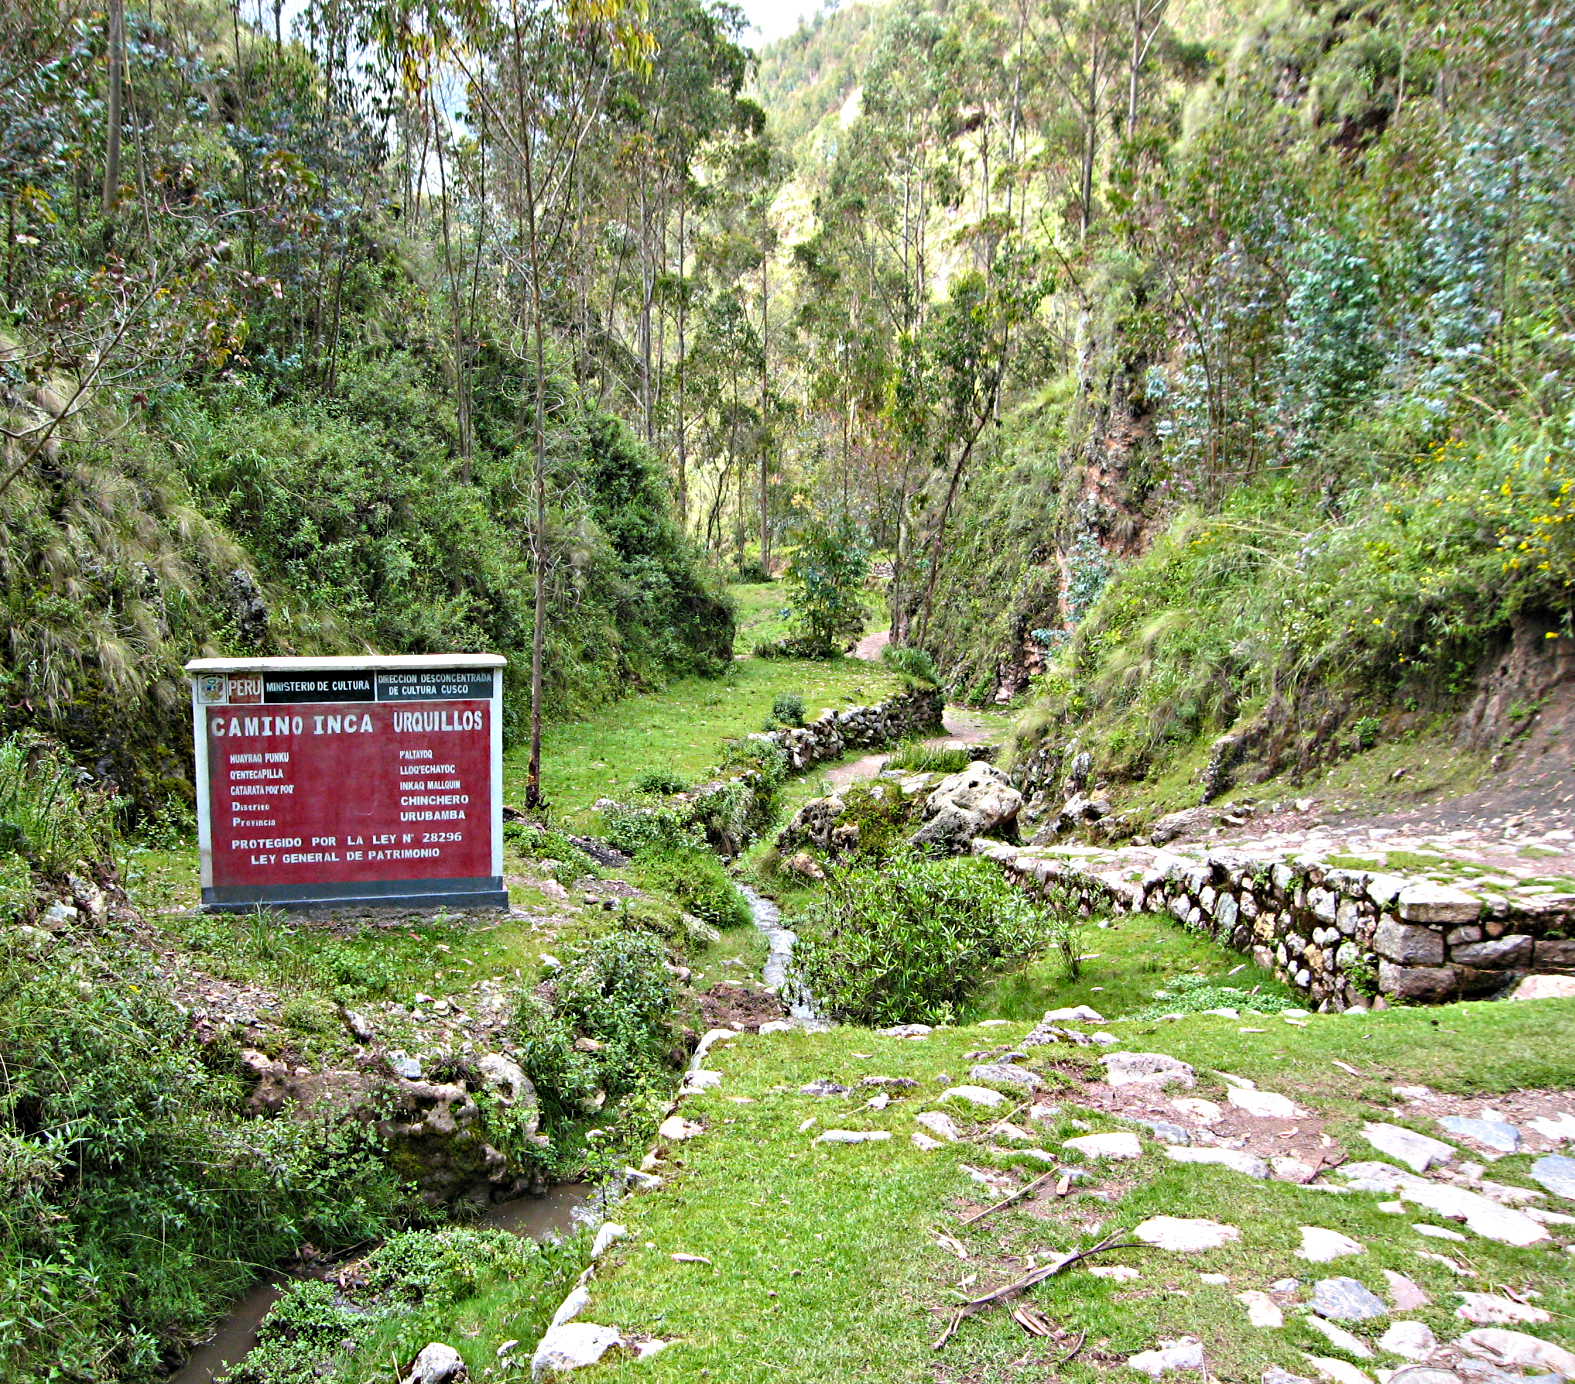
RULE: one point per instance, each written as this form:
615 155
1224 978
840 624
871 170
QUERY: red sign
341 792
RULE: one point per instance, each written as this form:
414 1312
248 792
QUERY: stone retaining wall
833 733
1342 937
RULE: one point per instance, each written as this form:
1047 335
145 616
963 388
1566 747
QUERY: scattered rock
1265 1105
1183 1236
1288 1169
1346 1299
1409 1340
1118 1145
1557 1174
1545 988
974 1095
906 1031
1146 1069
1515 1349
573 1346
606 1237
964 806
1489 1309
853 1136
1481 1215
1183 1355
1275 1375
1561 1130
677 1129
1338 1370
1320 1245
571 1307
1121 1273
1262 1310
775 1026
823 1087
940 1124
1162 1130
1425 902
923 1142
1006 1074
1416 1151
1493 1134
1436 1232
803 863
436 1364
1080 1013
1340 1338
702 1080
1205 1112
1237 1160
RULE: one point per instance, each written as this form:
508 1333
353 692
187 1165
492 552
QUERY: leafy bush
636 829
618 992
51 814
1197 994
305 1329
911 663
662 781
442 1267
826 581
910 941
788 709
696 879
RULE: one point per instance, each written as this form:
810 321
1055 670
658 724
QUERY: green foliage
640 830
440 1268
1195 994
919 758
912 663
617 991
695 878
307 1328
660 781
826 582
910 941
789 709
47 815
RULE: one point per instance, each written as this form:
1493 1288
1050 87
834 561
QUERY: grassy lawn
824 1258
680 729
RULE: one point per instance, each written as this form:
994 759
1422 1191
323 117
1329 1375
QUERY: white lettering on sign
257 725
448 816
341 725
416 754
438 720
407 769
282 844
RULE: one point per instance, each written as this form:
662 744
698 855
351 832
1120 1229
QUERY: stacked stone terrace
1350 917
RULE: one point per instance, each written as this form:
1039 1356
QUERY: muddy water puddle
533 1218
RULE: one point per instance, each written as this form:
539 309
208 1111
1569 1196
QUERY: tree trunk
765 432
115 59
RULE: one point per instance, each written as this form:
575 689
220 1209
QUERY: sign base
488 892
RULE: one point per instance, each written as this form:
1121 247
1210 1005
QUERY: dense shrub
660 781
910 941
912 663
695 878
927 759
788 709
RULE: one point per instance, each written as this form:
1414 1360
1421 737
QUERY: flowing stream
532 1217
768 921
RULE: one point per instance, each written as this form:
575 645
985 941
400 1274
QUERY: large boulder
963 806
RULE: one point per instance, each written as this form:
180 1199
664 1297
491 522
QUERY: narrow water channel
780 940
532 1218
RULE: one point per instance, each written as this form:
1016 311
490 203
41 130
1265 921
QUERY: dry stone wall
1342 937
833 733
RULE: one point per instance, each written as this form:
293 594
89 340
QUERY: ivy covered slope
233 422
1295 458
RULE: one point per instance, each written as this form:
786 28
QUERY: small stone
1237 1160
407 1067
1287 1169
1516 1349
1185 1355
1205 1112
1118 1145
775 1026
677 1129
571 1307
823 1087
1392 1208
1265 1105
1285 1285
940 1124
1347 1300
1560 1130
1011 1134
1340 1338
1407 1296
1489 1309
1216 1279
436 1364
1262 1310
1416 1151
906 1031
1493 1134
1438 1232
1080 1013
974 1095
1437 903
1409 1340
1006 1074
1557 1174
702 1080
853 1136
606 1237
923 1142
1545 988
1320 1245
1146 1069
1185 1236
1122 1273
1340 1371
1040 1113
573 1346
1275 1375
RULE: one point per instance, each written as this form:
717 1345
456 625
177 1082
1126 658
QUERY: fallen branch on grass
1018 1195
1325 1165
1028 1280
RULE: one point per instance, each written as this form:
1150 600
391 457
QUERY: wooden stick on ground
1018 1195
1028 1280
